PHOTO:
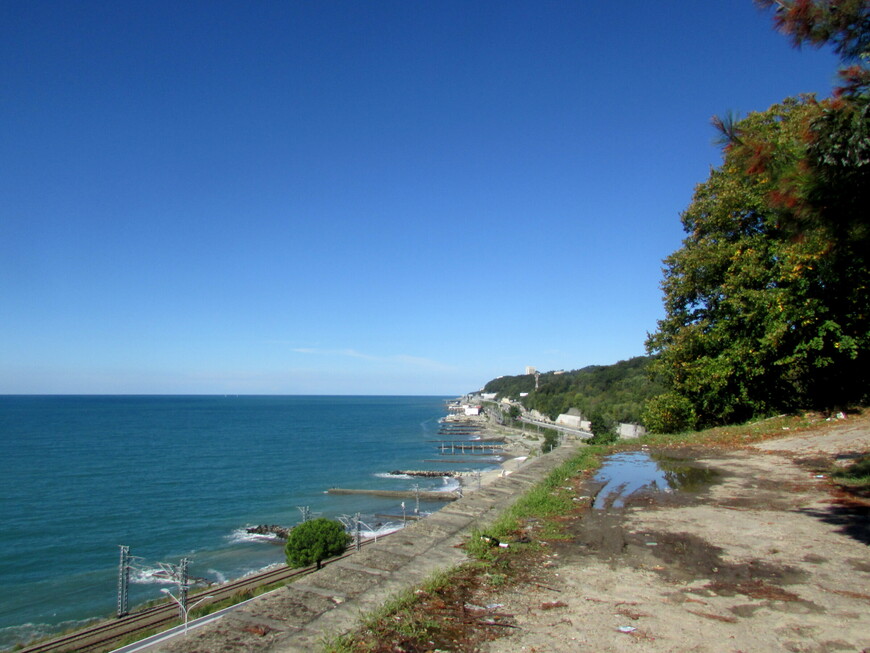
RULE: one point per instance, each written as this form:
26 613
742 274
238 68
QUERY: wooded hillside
616 392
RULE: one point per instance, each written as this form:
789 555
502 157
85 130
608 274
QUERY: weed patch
738 435
856 475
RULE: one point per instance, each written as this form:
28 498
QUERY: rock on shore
427 474
269 529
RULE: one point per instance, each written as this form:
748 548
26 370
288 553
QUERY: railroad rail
101 636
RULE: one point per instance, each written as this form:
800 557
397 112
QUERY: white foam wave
241 535
450 485
219 577
151 576
380 531
388 475
20 634
259 570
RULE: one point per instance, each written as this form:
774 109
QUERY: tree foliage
617 391
669 413
551 440
844 24
603 428
767 300
313 541
511 386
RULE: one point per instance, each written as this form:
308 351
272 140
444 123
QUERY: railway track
101 636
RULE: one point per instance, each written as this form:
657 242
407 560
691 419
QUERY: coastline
519 451
295 617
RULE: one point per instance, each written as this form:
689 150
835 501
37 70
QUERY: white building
630 430
573 422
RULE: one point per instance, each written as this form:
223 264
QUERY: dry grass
740 435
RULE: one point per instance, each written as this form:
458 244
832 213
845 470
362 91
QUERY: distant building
573 422
530 369
630 430
524 394
489 396
471 411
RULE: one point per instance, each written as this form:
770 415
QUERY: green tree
316 540
669 413
603 428
551 440
618 390
767 301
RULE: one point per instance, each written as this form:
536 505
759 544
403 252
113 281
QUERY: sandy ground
761 554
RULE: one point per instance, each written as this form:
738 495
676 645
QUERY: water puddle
623 474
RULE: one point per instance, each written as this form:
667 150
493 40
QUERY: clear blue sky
403 197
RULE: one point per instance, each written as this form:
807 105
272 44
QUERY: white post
185 610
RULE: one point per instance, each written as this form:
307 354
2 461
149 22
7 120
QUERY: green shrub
668 413
551 440
603 429
604 437
314 541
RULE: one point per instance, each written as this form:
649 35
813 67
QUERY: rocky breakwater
269 529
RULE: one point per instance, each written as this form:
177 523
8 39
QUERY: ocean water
178 476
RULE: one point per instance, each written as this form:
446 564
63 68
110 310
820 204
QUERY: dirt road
753 551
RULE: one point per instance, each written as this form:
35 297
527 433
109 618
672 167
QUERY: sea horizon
220 394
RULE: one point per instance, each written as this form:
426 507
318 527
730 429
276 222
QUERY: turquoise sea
182 476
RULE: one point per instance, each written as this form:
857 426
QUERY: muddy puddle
626 473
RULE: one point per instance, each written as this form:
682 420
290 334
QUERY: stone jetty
269 529
396 494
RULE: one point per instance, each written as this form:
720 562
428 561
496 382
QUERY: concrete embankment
398 494
329 602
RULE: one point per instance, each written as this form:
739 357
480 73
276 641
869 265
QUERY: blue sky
344 197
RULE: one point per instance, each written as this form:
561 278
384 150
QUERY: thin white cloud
404 359
351 353
418 361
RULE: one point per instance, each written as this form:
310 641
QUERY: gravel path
766 556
